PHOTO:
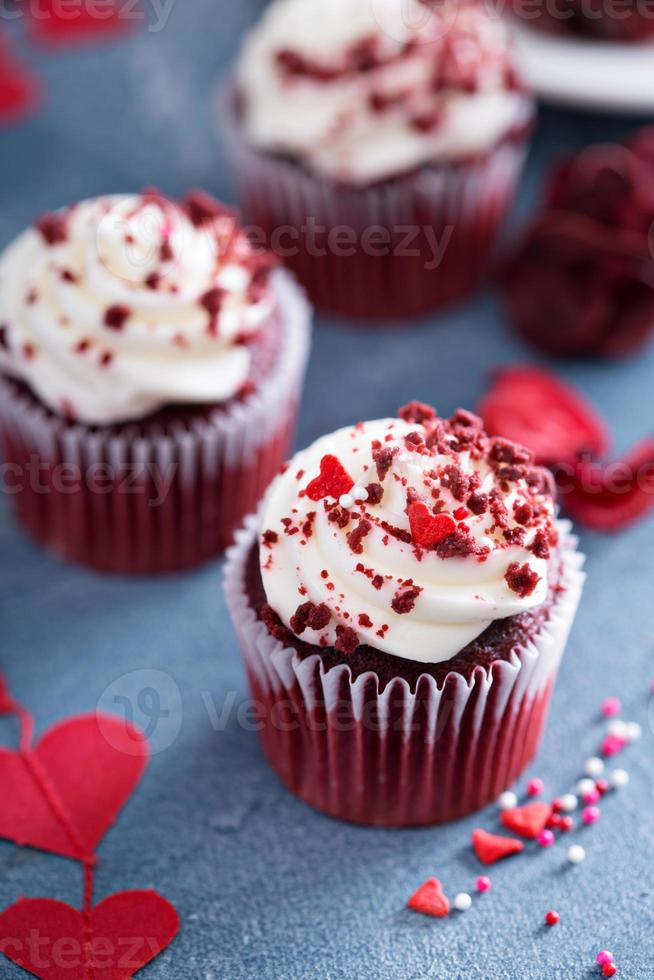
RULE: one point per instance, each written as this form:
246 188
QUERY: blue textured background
265 887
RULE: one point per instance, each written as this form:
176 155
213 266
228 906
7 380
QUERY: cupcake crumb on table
378 146
414 647
150 366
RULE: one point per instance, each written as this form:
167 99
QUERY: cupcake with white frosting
403 600
150 366
378 145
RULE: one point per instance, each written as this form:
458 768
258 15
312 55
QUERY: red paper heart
52 941
61 23
430 899
529 820
428 529
6 703
334 480
490 848
89 766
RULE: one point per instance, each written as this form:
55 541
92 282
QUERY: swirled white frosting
121 305
360 90
308 557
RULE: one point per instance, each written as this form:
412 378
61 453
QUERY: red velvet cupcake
403 601
606 20
377 147
150 368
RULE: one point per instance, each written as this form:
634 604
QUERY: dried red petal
430 899
334 480
532 407
428 529
492 847
609 497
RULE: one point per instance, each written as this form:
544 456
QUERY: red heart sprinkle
53 941
428 529
334 480
491 847
535 409
430 899
529 820
90 766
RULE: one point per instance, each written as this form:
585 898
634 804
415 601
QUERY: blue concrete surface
266 888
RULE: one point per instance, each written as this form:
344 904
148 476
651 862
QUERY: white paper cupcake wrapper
431 755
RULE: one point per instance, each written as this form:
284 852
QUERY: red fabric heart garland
65 23
19 87
61 796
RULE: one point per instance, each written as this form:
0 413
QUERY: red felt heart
61 23
334 480
430 899
428 529
489 848
529 820
65 794
52 941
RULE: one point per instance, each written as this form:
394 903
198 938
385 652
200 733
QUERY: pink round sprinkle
604 957
591 814
611 707
591 797
613 744
545 838
535 787
483 883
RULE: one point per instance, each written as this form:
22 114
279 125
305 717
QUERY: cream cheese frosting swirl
360 90
120 305
409 535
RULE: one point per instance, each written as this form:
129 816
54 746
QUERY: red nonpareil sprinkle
521 579
609 969
534 408
53 227
430 899
116 316
613 744
333 481
429 529
212 300
609 497
490 848
551 918
527 821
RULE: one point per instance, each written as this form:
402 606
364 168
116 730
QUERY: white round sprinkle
618 727
360 493
462 902
346 501
585 786
569 802
594 767
507 800
634 731
576 854
619 778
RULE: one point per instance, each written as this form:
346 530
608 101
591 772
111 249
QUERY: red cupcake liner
393 757
161 501
440 224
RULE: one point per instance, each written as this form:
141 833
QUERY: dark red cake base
383 741
605 20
